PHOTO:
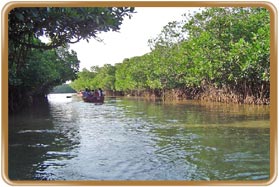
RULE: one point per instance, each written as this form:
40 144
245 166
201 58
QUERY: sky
131 40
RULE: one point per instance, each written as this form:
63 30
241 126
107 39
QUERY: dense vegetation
35 67
218 54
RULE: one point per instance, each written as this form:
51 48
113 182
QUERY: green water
133 139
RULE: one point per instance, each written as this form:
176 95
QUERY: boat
93 99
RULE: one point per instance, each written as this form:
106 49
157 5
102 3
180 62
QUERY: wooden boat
94 99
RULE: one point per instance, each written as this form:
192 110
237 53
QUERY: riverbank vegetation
34 66
217 54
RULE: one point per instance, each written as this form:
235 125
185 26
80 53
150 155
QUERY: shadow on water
35 140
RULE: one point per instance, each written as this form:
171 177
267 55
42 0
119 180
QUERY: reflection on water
128 139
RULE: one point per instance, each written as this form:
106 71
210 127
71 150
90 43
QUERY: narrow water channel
133 139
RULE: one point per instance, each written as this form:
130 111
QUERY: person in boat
86 93
92 92
96 93
100 91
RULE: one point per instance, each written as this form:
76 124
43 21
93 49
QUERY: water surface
133 139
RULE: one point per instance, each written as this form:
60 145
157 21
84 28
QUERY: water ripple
136 140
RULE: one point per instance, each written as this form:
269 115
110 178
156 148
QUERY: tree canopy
63 25
34 66
216 48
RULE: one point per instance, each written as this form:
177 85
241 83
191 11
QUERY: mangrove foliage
217 54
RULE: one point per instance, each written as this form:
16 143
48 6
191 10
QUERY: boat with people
93 96
93 99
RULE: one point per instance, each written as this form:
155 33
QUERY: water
132 139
